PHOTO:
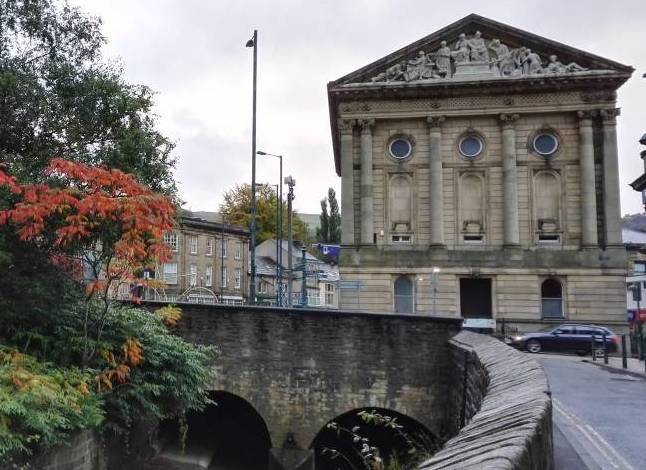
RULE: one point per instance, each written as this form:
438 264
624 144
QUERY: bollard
605 349
624 353
592 348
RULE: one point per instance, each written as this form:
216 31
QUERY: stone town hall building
479 178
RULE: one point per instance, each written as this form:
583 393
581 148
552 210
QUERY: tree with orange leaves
100 221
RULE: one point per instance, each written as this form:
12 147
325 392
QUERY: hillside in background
634 222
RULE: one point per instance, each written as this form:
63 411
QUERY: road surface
598 414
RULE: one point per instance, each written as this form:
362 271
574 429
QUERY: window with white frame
238 252
208 276
209 246
170 273
238 278
193 275
223 280
171 239
329 293
193 242
223 248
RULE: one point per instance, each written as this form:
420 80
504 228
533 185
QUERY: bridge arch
229 432
341 435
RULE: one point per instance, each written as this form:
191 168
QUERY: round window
471 146
400 148
545 144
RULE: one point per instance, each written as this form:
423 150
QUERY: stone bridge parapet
504 398
302 368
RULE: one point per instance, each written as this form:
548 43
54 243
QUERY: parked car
567 338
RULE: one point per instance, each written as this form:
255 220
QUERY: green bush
41 405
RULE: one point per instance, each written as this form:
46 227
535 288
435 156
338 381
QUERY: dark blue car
567 338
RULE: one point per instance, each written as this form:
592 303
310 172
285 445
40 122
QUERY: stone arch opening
229 434
404 295
552 298
393 444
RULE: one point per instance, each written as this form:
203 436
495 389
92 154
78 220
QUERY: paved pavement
614 362
599 415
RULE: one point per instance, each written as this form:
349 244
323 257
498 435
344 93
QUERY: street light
279 223
253 42
290 182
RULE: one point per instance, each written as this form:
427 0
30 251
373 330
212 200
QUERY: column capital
435 121
366 124
587 115
345 125
508 120
609 116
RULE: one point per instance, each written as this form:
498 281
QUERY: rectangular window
223 281
209 246
223 248
193 277
208 276
547 239
193 241
329 294
170 239
238 250
473 239
639 267
238 278
170 273
401 238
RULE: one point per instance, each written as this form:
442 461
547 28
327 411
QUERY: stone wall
507 408
84 451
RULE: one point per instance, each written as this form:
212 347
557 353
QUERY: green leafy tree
58 96
236 210
334 230
323 232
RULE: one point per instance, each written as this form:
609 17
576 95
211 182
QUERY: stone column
347 182
588 192
436 181
510 180
367 212
611 205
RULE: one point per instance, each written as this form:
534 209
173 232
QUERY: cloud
192 52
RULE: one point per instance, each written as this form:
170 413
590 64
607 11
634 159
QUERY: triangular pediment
477 48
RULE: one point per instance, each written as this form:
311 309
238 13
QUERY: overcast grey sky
192 53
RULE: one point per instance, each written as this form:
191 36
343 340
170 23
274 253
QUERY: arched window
552 298
404 301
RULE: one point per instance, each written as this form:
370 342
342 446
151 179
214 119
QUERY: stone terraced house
479 179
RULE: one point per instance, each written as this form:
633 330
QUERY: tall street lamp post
290 182
253 42
279 225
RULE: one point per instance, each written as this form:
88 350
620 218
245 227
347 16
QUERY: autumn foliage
103 217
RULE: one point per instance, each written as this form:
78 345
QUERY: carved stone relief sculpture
475 58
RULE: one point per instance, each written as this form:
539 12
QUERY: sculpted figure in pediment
554 66
420 68
443 60
478 48
502 58
461 50
532 63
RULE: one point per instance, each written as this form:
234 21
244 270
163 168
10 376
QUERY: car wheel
533 346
